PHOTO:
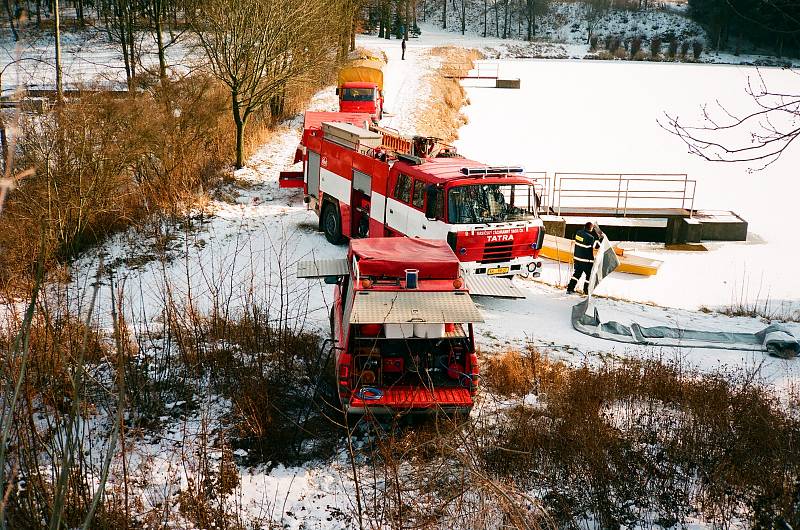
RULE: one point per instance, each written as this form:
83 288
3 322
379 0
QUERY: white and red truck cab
362 97
359 188
402 323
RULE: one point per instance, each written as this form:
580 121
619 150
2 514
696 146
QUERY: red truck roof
391 256
313 120
443 170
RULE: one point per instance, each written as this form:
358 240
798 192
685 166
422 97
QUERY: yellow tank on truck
366 70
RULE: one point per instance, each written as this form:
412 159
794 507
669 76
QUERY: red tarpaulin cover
315 119
391 256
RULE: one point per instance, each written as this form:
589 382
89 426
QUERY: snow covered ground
569 115
607 122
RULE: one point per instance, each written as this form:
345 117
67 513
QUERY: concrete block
713 230
554 225
506 83
690 231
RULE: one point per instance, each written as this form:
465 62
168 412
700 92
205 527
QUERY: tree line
771 24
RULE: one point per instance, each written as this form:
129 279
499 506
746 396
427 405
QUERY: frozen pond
602 116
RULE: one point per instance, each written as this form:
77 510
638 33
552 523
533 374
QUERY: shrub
642 437
697 49
672 50
684 48
613 45
103 164
655 47
593 42
636 45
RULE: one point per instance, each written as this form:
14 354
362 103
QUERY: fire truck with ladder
367 181
402 326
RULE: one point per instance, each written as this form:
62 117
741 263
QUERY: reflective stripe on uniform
582 245
583 260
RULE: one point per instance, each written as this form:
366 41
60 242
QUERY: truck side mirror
432 199
331 280
337 91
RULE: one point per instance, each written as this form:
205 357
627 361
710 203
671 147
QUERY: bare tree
594 10
255 48
59 70
760 135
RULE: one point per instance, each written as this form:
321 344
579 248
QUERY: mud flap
291 179
491 286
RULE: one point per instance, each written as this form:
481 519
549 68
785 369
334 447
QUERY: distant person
586 240
403 45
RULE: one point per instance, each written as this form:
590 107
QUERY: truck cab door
418 224
397 204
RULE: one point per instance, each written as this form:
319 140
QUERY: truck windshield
491 203
358 94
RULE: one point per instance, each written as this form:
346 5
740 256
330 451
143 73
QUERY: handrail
624 187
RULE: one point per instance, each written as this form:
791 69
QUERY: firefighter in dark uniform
586 240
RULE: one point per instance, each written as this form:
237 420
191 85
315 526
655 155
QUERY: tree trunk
11 21
353 34
444 14
529 17
59 77
240 122
162 58
505 19
496 19
131 36
485 9
407 19
463 16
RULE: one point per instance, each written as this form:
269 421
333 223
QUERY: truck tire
331 223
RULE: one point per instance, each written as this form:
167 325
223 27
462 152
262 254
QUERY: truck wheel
332 224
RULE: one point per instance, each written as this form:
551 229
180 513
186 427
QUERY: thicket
79 398
643 442
622 443
100 164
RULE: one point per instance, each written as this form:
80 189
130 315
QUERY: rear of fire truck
403 326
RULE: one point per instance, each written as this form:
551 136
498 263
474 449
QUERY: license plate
497 270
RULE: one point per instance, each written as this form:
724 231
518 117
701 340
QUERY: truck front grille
497 251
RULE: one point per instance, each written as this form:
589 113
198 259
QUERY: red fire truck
360 187
402 325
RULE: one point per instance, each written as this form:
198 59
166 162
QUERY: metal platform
479 285
403 307
321 268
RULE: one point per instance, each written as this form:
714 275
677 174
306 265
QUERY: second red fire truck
360 188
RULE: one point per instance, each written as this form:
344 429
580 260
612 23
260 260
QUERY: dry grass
513 373
442 117
103 164
648 442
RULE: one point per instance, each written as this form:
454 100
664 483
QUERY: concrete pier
669 226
